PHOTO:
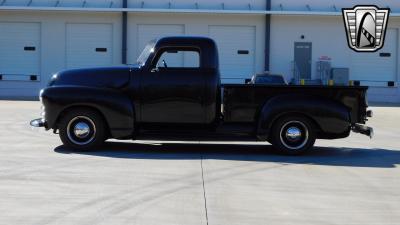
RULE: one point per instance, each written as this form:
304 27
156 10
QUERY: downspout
124 32
267 36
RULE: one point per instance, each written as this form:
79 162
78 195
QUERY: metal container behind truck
324 71
340 76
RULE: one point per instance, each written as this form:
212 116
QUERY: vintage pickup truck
152 100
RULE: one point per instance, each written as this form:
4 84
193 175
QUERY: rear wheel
82 129
293 135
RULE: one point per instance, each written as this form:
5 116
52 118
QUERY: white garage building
41 37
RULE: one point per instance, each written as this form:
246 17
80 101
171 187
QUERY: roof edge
187 11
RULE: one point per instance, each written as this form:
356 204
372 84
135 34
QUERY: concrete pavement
349 181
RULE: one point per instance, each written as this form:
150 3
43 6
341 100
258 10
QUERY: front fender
116 108
332 118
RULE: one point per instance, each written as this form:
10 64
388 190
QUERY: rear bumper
362 129
38 123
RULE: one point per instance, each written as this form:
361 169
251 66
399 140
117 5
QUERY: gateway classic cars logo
366 27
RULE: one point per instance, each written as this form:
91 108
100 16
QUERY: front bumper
362 129
38 123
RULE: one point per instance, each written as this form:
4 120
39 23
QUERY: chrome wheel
294 135
81 130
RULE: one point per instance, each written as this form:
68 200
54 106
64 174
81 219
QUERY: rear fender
116 108
330 117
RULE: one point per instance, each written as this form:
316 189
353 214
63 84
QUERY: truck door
173 88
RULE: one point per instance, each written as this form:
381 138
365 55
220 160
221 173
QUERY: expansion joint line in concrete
204 189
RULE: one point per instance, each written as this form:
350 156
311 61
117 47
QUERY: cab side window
179 59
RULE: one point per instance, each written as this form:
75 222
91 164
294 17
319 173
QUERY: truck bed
242 102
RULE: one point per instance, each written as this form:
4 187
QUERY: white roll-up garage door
148 32
20 51
236 46
89 45
378 68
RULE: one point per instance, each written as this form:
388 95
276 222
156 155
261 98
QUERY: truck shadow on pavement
329 156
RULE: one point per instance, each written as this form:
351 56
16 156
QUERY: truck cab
184 93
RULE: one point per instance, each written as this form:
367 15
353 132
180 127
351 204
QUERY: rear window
269 80
179 59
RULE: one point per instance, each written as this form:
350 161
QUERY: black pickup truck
152 100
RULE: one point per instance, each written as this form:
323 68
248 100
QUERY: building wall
328 38
326 33
53 44
53 27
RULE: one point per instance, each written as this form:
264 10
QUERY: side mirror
155 70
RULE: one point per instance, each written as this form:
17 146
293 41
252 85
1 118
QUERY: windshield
146 53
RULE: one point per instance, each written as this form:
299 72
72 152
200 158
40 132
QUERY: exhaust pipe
361 129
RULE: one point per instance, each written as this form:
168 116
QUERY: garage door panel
236 47
148 32
19 49
89 45
372 67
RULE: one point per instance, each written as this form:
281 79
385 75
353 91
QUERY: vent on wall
243 52
101 49
385 54
29 48
19 77
33 78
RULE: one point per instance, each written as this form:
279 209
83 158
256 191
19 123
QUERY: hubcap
81 130
294 135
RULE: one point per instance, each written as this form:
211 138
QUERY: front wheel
82 129
293 135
